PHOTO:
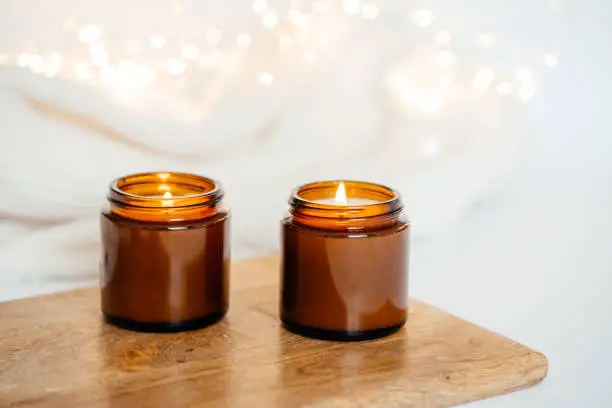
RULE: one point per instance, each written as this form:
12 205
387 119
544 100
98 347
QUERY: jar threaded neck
164 196
310 205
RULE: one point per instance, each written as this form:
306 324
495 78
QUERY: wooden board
55 351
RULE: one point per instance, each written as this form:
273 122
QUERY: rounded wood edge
540 370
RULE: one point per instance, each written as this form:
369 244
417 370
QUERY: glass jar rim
211 190
390 199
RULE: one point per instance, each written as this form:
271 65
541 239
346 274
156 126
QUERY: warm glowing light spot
175 66
526 91
89 33
266 78
423 18
351 6
340 197
269 20
36 63
157 41
259 6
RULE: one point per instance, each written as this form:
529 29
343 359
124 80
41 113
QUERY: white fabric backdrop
372 106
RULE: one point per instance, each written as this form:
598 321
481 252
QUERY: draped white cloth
348 114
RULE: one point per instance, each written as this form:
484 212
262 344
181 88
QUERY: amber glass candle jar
165 252
344 261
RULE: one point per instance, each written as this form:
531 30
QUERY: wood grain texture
55 351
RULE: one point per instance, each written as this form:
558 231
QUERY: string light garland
297 29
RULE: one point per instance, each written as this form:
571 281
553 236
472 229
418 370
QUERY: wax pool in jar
341 199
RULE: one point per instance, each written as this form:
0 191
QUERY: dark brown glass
344 269
165 260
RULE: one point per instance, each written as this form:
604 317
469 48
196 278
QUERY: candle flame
341 194
167 203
